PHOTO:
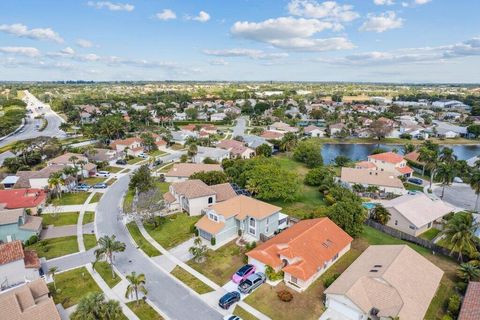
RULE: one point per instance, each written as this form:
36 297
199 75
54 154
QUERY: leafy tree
341 161
474 130
446 173
148 141
191 113
447 155
107 247
348 215
264 150
149 204
95 306
288 142
210 177
136 284
460 233
378 129
192 151
468 272
408 147
142 179
309 152
320 176
475 185
378 150
380 214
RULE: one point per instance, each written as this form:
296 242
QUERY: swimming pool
369 205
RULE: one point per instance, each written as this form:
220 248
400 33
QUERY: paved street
168 295
458 194
240 126
172 157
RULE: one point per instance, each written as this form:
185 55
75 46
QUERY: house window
266 229
411 227
335 257
293 279
396 222
213 217
251 229
210 200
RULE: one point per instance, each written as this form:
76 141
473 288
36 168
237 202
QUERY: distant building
314 131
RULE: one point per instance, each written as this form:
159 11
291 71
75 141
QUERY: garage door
205 235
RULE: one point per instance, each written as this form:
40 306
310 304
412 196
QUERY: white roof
10 180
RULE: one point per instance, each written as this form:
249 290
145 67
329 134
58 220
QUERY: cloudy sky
283 40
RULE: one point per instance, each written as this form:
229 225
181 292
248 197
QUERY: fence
418 241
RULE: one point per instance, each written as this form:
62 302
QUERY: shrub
250 246
454 305
32 240
213 241
285 295
330 279
329 199
192 228
461 286
272 275
447 317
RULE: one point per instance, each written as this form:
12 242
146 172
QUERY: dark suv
228 299
252 282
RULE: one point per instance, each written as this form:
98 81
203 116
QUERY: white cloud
166 14
242 52
291 33
328 10
218 62
415 3
384 2
202 17
84 43
68 51
420 2
21 30
382 22
22 51
111 5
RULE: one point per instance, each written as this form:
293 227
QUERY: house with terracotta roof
192 196
385 282
303 252
32 199
75 160
385 181
272 135
182 171
471 303
16 224
130 146
17 265
236 148
387 161
251 217
29 301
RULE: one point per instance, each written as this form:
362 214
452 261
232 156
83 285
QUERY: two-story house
17 266
387 161
16 224
131 146
241 214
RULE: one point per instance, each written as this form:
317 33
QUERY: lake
360 151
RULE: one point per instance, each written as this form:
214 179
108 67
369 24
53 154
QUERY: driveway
460 195
176 301
240 126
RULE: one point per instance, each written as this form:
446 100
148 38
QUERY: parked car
143 155
121 162
228 299
243 273
158 162
231 317
81 187
415 181
102 174
457 180
101 185
252 282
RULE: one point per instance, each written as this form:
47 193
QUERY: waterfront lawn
141 242
144 311
172 230
59 219
56 247
103 269
220 264
71 198
89 241
88 217
191 281
96 197
430 234
72 286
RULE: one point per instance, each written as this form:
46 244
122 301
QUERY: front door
252 226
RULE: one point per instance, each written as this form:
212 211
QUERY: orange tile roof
471 303
242 206
412 156
271 135
309 243
365 165
125 142
11 251
31 259
405 170
209 226
390 157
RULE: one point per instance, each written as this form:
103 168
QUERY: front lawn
172 230
96 197
144 311
243 314
89 241
59 219
191 281
163 186
72 286
412 187
113 169
134 160
221 264
128 201
56 247
141 242
430 234
88 217
157 153
103 269
93 180
71 198
166 168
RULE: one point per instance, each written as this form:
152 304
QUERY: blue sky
280 40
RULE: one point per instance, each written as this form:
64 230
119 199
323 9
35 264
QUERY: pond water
358 152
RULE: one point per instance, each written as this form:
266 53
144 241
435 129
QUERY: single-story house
33 199
385 282
215 154
17 265
282 127
133 146
236 148
16 224
314 131
182 171
471 303
100 155
303 252
254 142
272 135
415 213
39 179
252 217
79 161
385 181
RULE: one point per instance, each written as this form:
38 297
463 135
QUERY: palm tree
137 283
447 155
52 272
192 150
108 246
460 233
288 142
475 184
55 181
430 158
408 147
468 271
95 306
198 250
446 173
21 147
380 214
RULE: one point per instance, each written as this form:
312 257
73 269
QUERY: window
252 222
411 227
335 257
266 229
251 229
396 222
213 217
210 200
293 279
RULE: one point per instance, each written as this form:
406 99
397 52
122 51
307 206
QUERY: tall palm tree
55 181
468 271
192 150
137 283
475 184
460 233
380 214
408 147
446 173
52 272
288 142
447 155
107 247
430 158
95 306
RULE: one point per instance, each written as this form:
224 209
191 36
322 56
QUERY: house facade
391 162
385 181
17 265
237 149
132 146
15 224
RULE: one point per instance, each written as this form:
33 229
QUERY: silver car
252 282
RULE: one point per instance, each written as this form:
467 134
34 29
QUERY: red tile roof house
471 303
387 161
133 146
89 168
237 149
17 266
303 252
33 199
272 135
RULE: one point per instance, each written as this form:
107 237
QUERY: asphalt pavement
240 126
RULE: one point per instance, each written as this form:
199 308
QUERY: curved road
173 299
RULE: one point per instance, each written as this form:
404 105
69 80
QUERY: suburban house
215 154
272 135
385 181
282 127
254 142
29 301
471 304
182 135
237 149
17 265
387 161
241 214
182 171
313 131
33 199
192 196
131 146
385 282
415 213
39 179
218 116
75 160
336 128
303 252
16 224
100 155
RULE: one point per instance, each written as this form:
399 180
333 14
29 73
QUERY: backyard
71 198
56 247
172 230
60 219
190 280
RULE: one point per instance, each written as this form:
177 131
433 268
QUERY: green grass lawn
176 146
60 219
88 217
71 198
243 314
72 285
221 264
113 169
128 201
166 168
412 187
191 281
111 181
93 180
142 243
96 197
134 160
56 247
144 311
172 230
163 186
103 269
90 241
430 234
157 153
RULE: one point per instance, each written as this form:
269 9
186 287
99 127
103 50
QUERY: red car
243 273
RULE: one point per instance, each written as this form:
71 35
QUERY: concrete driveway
460 195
